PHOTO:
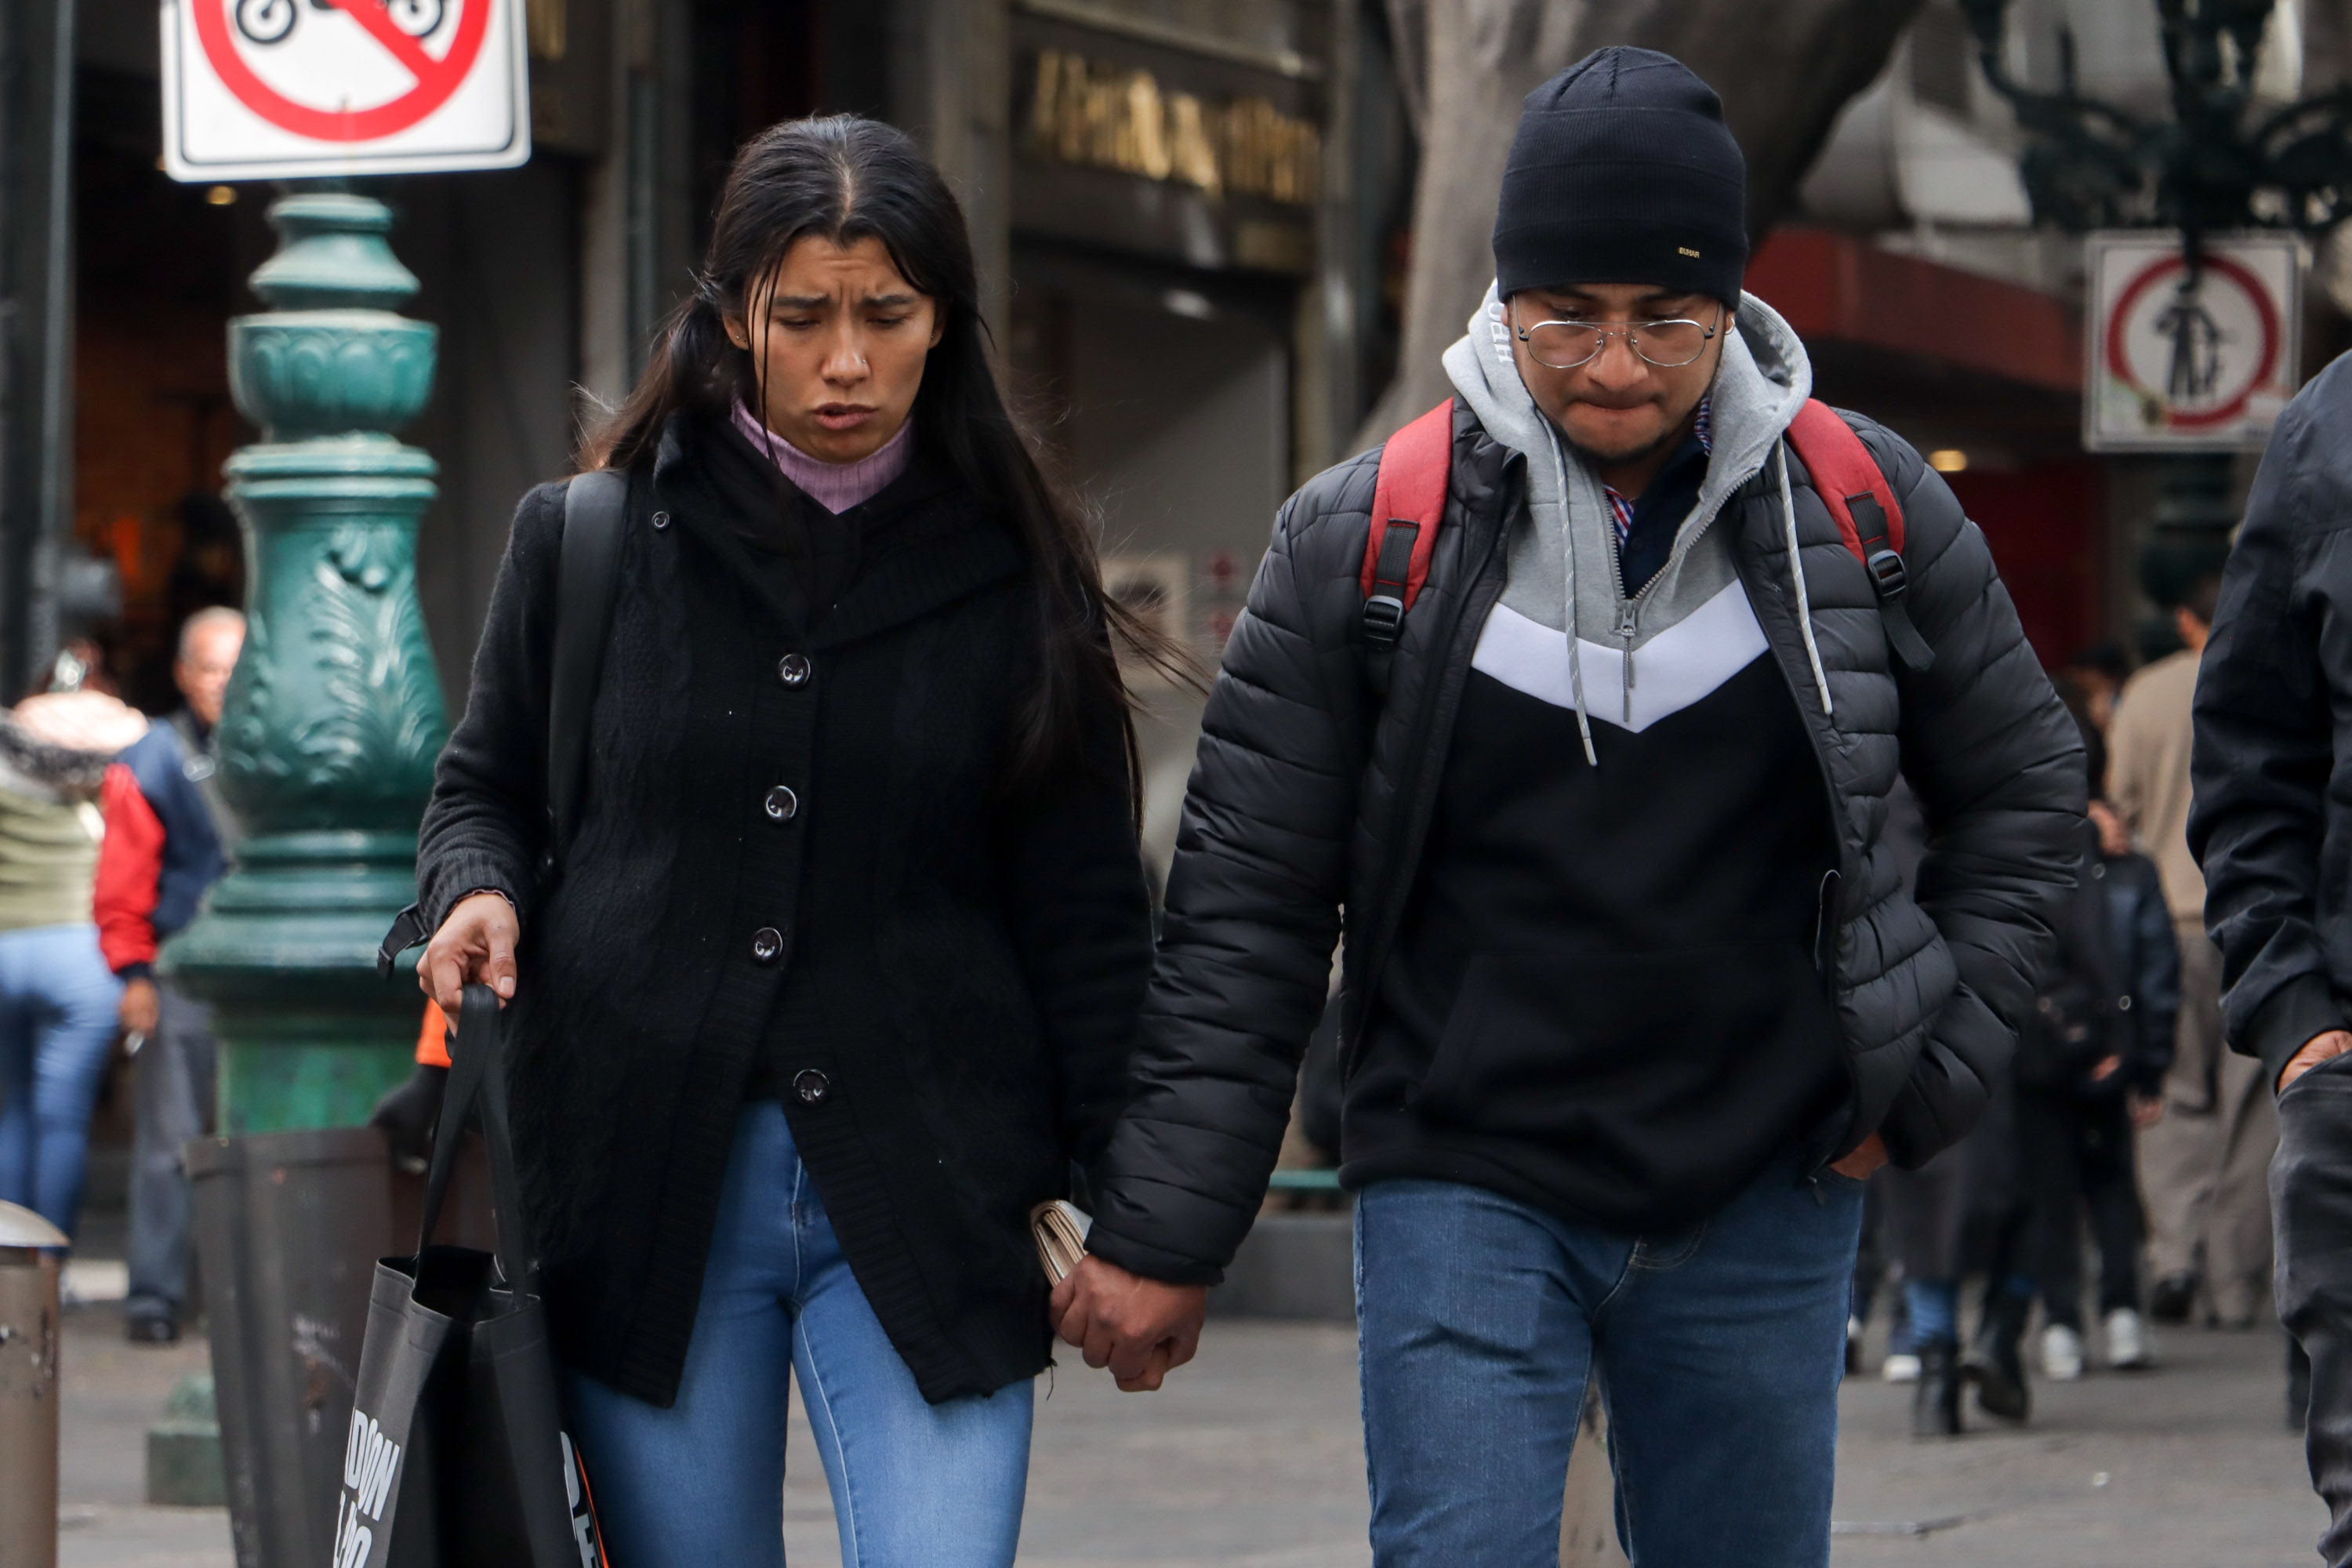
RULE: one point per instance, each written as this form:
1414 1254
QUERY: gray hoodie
1576 594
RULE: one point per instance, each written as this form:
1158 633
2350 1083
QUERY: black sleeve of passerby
2154 978
2264 739
1997 764
1081 922
487 820
1253 915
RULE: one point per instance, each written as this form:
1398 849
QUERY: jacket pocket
1567 1046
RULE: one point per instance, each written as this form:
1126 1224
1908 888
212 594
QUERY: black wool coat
938 974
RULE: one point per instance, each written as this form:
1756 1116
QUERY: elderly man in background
167 841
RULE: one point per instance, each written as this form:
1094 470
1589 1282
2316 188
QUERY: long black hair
844 179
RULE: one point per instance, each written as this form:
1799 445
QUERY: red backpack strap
1869 518
1408 503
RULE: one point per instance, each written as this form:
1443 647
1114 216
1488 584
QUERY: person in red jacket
168 838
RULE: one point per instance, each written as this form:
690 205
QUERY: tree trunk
1784 70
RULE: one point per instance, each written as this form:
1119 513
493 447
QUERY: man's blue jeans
59 1007
1719 1350
701 1484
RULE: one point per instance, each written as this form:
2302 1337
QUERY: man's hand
1867 1157
2147 1110
2315 1050
476 944
143 1007
1141 1329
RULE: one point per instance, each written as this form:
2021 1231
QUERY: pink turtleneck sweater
837 487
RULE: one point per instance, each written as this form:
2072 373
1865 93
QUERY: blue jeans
59 1007
1719 1350
914 1485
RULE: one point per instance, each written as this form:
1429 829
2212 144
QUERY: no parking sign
283 88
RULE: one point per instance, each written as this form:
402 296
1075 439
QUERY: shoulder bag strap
587 579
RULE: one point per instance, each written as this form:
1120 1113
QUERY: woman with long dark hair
838 974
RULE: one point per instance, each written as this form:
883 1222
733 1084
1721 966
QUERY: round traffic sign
2199 355
431 80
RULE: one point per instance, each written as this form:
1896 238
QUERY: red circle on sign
2120 364
436 79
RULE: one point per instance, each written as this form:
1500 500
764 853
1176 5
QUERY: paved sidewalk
1252 1458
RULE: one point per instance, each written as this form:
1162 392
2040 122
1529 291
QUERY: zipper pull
1629 617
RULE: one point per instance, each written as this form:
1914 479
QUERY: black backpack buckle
1887 573
1383 619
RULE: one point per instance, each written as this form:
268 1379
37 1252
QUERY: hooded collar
1562 570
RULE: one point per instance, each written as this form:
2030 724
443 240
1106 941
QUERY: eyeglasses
1669 345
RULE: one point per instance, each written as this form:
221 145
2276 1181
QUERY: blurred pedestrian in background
2094 678
58 998
168 838
2090 1066
2273 828
2203 1166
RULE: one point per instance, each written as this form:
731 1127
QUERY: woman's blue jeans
915 1484
59 1007
1719 1350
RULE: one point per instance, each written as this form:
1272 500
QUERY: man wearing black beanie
1590 762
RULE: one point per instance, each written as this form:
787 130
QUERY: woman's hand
477 944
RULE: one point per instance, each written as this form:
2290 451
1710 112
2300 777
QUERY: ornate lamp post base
325 754
334 716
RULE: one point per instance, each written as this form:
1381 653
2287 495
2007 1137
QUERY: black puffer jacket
1310 796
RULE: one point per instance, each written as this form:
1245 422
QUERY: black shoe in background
2172 1297
1998 1362
1936 1402
151 1330
2298 1387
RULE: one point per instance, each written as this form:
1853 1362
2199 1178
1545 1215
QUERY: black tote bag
457 1456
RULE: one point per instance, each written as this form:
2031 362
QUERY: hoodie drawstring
1797 576
1568 549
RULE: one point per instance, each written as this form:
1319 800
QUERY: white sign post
2183 366
257 89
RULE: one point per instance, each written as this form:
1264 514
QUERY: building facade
1187 214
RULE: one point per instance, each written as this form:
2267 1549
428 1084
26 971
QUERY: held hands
2315 1050
476 944
1141 1329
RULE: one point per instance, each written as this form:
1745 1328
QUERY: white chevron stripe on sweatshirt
1674 669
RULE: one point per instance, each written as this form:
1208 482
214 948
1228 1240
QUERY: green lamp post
334 716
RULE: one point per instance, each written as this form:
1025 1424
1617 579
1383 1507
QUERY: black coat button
782 804
767 943
661 520
812 1086
795 670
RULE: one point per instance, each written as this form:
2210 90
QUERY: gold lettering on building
1111 118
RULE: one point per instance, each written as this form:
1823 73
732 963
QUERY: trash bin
289 1228
29 1391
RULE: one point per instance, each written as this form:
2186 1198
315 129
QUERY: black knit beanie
1623 171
